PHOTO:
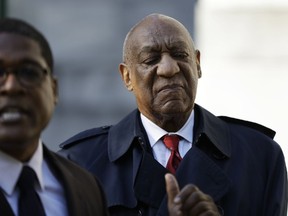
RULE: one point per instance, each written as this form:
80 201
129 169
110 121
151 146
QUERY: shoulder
252 135
232 123
239 125
64 165
86 136
248 124
99 135
68 168
82 182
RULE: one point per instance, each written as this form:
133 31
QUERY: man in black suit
28 95
228 166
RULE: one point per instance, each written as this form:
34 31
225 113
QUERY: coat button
140 212
221 210
219 156
105 127
141 142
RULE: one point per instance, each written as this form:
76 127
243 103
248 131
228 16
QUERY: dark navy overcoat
236 162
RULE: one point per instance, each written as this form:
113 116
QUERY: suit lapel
5 208
150 183
75 198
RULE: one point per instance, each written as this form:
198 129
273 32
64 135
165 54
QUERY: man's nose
168 66
10 84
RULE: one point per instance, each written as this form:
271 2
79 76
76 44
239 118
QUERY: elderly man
222 165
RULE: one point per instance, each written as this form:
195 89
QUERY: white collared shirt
50 190
154 132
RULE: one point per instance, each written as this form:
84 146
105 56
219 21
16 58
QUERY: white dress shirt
154 132
50 190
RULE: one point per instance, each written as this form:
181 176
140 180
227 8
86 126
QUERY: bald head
152 24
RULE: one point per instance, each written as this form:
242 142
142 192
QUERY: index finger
172 188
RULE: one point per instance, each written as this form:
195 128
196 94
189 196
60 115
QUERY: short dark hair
20 27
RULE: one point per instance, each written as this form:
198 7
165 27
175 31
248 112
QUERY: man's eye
152 60
30 72
180 55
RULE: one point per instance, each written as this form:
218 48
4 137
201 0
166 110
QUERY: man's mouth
171 88
10 115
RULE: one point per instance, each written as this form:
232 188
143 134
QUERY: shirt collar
9 179
122 135
154 132
36 163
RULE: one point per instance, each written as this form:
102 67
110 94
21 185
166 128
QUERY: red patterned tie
172 142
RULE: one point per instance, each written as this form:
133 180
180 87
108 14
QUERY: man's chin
12 137
173 109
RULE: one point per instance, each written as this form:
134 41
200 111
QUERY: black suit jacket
236 162
83 192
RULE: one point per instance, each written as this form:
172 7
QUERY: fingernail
177 199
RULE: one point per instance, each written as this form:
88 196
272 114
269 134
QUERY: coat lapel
197 168
150 183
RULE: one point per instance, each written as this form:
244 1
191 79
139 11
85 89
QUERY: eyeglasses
27 75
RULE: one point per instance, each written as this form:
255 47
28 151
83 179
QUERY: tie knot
171 142
27 179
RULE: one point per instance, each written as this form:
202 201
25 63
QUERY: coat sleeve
276 193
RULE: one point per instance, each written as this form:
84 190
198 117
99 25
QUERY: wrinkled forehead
159 30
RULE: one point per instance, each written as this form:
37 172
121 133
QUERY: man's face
25 110
162 69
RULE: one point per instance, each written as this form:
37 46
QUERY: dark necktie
172 142
29 202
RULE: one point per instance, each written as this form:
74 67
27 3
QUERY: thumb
172 188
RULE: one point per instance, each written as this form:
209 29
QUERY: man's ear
197 54
125 75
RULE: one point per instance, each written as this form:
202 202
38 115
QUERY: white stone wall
244 47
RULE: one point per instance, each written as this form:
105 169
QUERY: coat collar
121 135
214 128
